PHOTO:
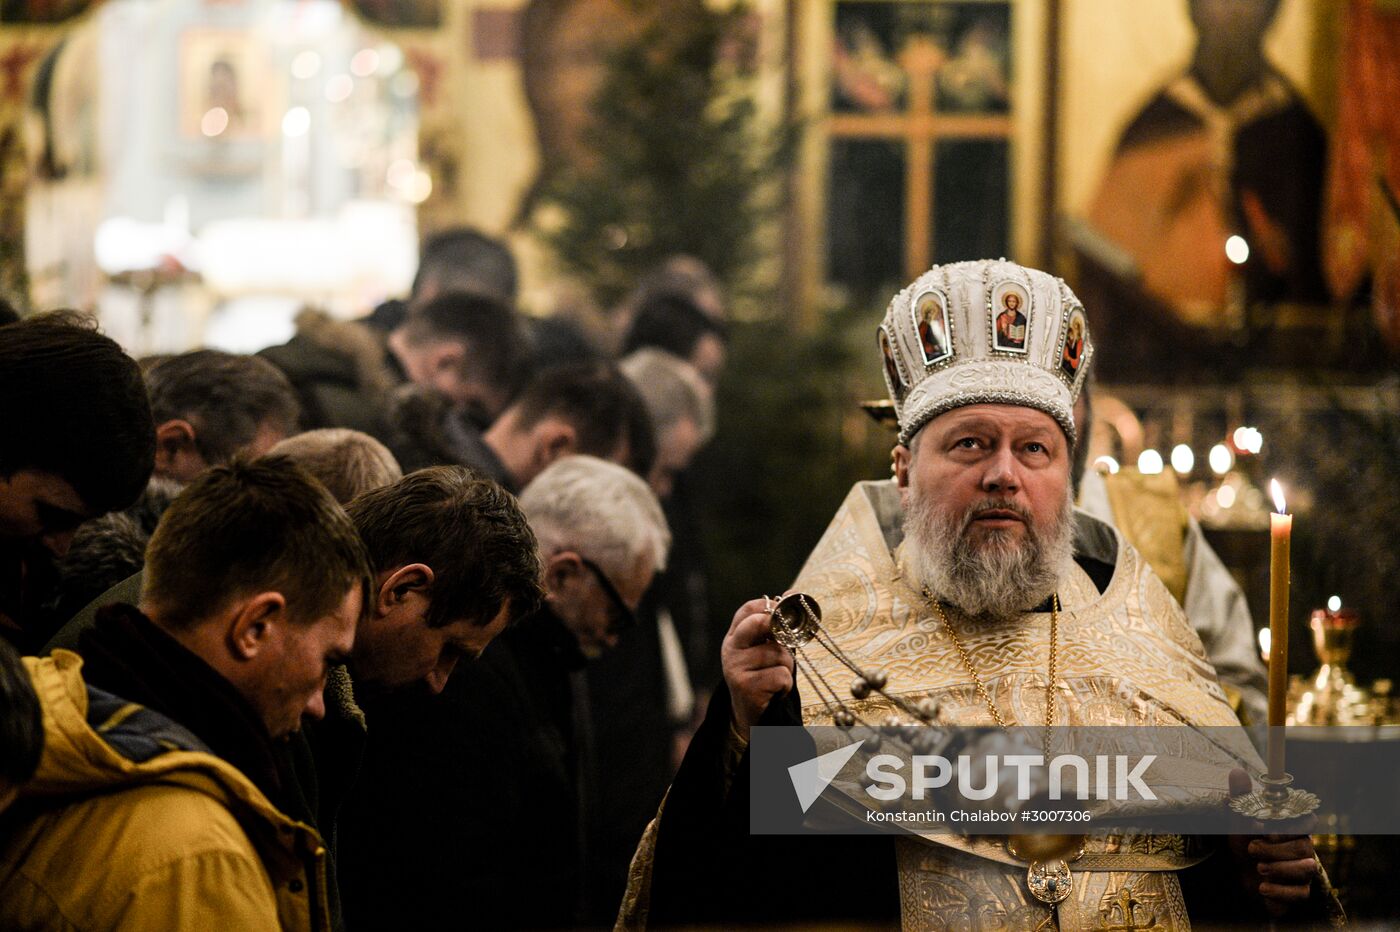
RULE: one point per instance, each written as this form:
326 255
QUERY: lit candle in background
1280 534
1221 459
1183 459
1237 251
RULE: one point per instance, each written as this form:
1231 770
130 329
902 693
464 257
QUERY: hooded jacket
131 823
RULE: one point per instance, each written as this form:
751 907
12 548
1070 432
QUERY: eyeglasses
623 615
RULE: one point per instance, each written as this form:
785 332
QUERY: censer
796 622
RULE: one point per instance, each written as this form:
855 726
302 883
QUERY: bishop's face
1005 466
988 509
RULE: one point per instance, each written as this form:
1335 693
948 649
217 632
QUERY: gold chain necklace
977 680
1049 881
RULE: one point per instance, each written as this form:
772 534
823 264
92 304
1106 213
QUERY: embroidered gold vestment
1126 656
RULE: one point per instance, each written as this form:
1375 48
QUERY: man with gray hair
602 538
682 409
481 792
347 462
643 693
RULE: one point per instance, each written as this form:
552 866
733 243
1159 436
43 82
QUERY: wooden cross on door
920 126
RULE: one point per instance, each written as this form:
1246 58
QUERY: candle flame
1237 250
1265 641
1276 491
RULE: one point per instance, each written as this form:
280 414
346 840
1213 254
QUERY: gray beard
997 577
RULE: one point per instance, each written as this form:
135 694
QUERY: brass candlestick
1276 802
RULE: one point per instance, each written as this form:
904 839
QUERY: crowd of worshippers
238 592
392 626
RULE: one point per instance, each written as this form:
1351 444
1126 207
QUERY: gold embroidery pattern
1159 674
1128 657
949 890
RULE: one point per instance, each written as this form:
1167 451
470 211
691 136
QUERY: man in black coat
468 349
78 442
478 795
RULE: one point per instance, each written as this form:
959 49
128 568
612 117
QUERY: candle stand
1276 802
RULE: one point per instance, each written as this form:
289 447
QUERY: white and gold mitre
985 332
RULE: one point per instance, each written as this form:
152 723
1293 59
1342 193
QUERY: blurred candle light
1106 464
390 59
306 65
421 187
364 63
1334 604
214 122
1150 462
296 122
1247 439
1183 459
401 174
1221 459
339 88
1237 250
1264 638
1225 496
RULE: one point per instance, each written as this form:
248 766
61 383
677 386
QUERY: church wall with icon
1194 154
1116 56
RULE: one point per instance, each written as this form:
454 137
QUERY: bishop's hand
1279 869
756 668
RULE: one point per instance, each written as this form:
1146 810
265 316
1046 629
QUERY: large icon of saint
1226 148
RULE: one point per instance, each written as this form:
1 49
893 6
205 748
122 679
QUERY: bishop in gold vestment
957 581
